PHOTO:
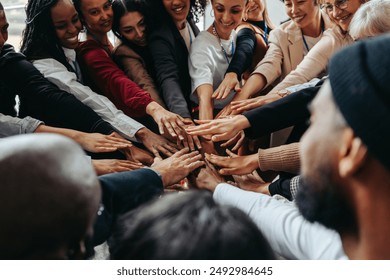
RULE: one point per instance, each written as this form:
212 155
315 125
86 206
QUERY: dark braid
39 37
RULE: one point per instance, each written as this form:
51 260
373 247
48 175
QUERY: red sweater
102 74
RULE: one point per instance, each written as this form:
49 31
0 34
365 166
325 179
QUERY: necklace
106 47
220 43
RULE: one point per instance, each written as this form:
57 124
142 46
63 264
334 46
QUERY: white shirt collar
70 54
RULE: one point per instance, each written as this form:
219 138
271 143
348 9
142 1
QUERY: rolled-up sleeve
10 126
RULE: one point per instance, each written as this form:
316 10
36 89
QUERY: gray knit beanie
360 80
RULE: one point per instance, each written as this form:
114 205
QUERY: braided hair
39 38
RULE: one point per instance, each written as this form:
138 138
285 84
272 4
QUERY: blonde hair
371 19
266 17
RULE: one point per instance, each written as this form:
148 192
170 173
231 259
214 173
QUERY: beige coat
316 61
285 51
135 68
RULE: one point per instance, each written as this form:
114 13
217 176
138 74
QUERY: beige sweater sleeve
282 158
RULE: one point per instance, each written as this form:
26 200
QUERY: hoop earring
245 17
211 12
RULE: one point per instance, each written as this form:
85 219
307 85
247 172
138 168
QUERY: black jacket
41 99
170 57
285 112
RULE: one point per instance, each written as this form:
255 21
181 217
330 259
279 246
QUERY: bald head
48 196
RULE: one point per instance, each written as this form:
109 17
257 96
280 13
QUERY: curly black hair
39 38
159 15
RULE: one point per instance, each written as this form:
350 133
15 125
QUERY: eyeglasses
340 4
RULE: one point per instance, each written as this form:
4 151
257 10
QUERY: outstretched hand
241 106
229 83
233 164
208 178
170 122
178 166
100 143
138 155
220 129
105 166
156 143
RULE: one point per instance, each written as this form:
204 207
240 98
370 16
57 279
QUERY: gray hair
371 19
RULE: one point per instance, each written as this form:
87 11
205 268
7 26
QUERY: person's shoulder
89 42
287 26
124 50
8 53
7 48
247 25
165 30
203 41
334 33
285 30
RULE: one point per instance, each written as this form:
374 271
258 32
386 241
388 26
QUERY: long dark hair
39 37
122 7
159 15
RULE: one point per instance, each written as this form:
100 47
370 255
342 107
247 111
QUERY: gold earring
245 17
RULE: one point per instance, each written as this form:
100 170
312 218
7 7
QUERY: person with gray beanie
345 160
345 154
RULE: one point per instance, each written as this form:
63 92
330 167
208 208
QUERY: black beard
320 200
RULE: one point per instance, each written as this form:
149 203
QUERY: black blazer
285 112
41 99
170 57
123 192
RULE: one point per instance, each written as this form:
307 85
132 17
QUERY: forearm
282 158
205 110
253 85
289 234
204 93
10 126
242 58
73 134
56 73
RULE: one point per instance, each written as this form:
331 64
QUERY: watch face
283 92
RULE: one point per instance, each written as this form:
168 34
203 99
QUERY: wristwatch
283 92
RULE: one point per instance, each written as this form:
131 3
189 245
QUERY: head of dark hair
188 226
159 15
77 5
39 38
121 8
1 7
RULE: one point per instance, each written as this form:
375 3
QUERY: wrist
142 133
232 75
152 108
241 122
74 134
253 161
